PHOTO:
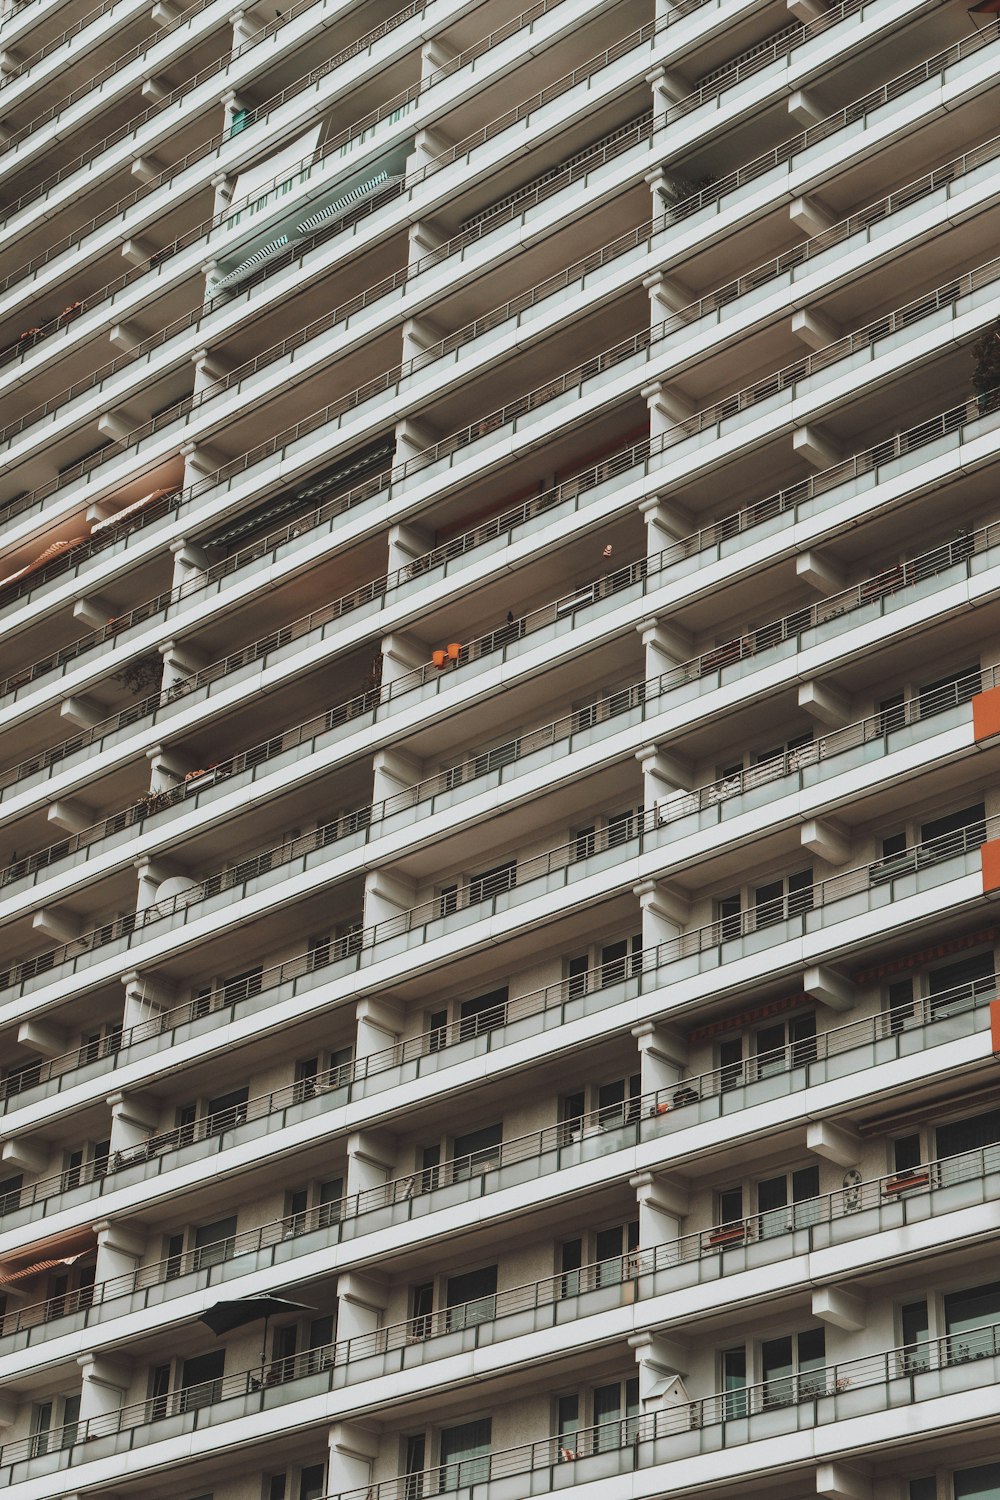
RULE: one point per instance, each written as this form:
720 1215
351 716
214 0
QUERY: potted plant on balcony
986 369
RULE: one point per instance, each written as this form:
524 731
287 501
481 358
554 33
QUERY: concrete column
120 1248
661 1361
663 1202
180 660
200 463
165 14
667 295
361 1305
810 215
425 238
402 654
371 1156
412 438
223 186
155 90
665 911
830 988
419 335
815 448
147 168
837 1481
69 814
353 1449
838 1142
42 1037
167 769
386 895
133 1118
839 1308
825 703
666 778
60 926
820 573
406 543
668 88
26 1154
814 328
395 772
666 523
668 407
138 251
126 337
82 711
209 369
435 55
827 839
805 109
150 875
104 1383
191 563
806 10
667 645
147 996
93 611
379 1026
429 144
663 1056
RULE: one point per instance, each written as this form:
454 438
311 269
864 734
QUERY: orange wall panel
995 1024
991 866
986 714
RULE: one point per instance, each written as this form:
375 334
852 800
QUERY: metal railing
860 222
733 1409
642 574
700 96
644 1118
34 498
784 379
793 908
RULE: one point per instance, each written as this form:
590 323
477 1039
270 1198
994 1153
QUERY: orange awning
64 1251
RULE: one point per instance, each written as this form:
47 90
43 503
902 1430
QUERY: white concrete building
499 750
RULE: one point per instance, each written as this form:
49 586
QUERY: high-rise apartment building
499 750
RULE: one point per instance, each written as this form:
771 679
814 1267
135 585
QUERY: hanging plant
141 675
986 368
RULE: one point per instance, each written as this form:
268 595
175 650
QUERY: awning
244 269
254 182
129 510
64 1251
55 549
338 206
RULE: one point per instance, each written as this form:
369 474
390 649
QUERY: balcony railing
33 499
873 592
712 799
605 1131
782 380
884 1036
874 1382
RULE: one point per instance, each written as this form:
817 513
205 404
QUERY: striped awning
338 206
244 269
64 1251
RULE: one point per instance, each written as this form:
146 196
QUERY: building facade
499 750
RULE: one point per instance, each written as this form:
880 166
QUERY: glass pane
978 1484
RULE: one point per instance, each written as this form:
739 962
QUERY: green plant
986 368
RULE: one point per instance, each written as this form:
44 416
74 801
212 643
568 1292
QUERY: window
241 986
891 713
971 1134
621 828
781 899
584 842
946 692
437 1027
613 1248
484 1013
616 1409
493 882
619 960
465 1454
213 1243
576 972
201 1380
318 955
954 987
906 1153
729 919
785 1363
471 1298
306 1071
975 1308
777 1198
568 1423
899 1005
413 1466
570 1261
447 900
788 1044
915 1328
618 1102
226 1111
978 1484
923 1489
959 830
733 1370
731 1064
729 1207
477 1152
159 1390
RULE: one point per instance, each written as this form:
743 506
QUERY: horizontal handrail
874 590
908 1362
863 220
33 498
765 915
103 455
366 819
643 1115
